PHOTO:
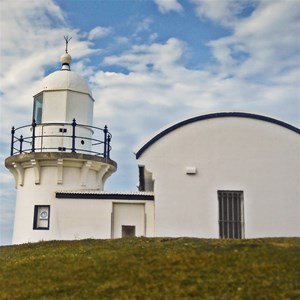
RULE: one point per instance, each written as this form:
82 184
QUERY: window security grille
231 214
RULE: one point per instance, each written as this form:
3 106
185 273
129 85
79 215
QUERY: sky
148 63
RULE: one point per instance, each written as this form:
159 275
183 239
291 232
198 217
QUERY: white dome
65 80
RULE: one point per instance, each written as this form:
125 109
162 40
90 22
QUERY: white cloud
122 40
223 12
144 25
32 39
24 27
158 80
143 58
153 37
99 32
166 6
264 45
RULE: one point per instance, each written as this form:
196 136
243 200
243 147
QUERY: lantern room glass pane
38 108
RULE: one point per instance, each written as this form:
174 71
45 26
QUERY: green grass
159 268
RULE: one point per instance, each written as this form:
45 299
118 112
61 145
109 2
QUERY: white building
228 175
61 162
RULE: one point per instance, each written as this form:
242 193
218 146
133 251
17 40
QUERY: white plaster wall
63 106
72 219
49 138
54 106
80 106
92 218
128 214
69 218
82 218
30 194
260 158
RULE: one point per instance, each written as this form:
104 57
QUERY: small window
38 108
231 214
41 220
128 231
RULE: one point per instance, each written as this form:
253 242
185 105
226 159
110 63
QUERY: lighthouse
60 150
207 176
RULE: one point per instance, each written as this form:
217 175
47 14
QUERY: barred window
231 214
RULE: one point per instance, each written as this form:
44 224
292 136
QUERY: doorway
128 220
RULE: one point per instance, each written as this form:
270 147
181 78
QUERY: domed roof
65 80
166 130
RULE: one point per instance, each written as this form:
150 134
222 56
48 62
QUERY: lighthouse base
38 177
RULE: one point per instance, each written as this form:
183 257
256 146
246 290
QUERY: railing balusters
21 143
108 145
33 137
105 140
73 135
12 141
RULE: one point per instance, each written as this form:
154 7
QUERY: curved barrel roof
167 130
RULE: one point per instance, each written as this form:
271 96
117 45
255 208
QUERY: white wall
260 158
80 106
93 218
125 214
45 175
29 195
71 218
64 105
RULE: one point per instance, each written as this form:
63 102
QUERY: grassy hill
158 268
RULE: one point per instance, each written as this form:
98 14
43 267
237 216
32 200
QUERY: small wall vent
191 170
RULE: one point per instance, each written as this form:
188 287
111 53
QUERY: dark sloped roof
146 196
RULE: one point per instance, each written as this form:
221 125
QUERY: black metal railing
26 139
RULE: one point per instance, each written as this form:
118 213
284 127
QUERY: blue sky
149 63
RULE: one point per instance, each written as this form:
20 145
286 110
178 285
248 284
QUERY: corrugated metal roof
96 194
104 192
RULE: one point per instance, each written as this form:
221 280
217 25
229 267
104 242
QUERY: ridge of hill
152 268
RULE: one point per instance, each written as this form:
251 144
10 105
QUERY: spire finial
66 58
67 39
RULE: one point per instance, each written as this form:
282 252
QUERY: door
128 220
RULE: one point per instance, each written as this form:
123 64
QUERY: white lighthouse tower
60 150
